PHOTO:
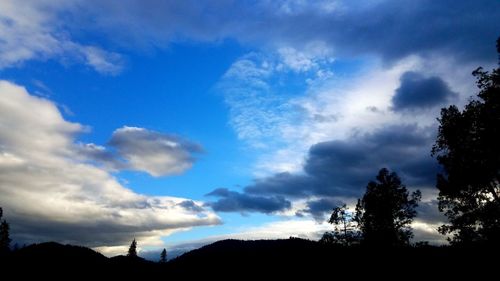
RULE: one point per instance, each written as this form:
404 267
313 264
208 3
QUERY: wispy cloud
102 61
262 93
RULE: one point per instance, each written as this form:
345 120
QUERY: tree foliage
163 256
385 212
345 231
132 250
4 234
468 149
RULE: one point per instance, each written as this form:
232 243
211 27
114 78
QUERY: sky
179 123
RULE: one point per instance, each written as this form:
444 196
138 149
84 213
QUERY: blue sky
181 122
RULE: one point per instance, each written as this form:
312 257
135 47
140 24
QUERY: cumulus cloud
139 149
156 153
232 201
419 92
49 193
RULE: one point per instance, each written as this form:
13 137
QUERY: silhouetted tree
132 250
468 148
163 256
328 238
345 231
386 211
4 234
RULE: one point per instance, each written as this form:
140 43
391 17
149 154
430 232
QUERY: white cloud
33 30
139 149
48 193
296 60
307 229
156 153
425 231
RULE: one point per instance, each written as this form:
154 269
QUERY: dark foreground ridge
235 259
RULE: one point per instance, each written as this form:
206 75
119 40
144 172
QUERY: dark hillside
236 259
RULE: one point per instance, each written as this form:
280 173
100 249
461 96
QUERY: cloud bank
49 191
342 169
50 29
231 201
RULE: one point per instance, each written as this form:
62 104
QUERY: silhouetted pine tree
385 212
163 256
4 234
132 250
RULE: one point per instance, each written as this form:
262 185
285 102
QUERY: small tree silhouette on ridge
4 234
132 250
163 256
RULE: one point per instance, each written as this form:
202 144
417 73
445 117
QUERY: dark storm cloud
395 29
390 29
319 208
419 92
231 201
341 168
